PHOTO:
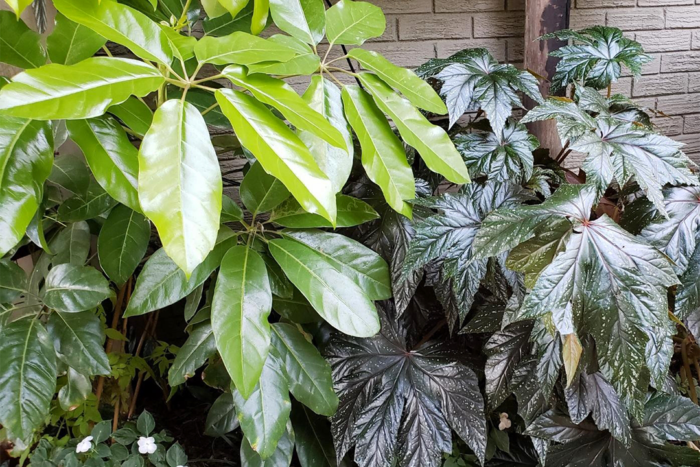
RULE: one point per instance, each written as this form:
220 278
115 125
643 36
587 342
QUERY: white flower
85 445
181 466
147 445
505 422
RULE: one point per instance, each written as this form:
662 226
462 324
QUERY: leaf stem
106 51
210 108
688 374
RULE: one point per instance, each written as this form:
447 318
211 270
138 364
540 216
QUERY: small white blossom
181 466
85 445
505 422
147 445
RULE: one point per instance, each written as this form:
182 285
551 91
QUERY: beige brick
404 6
660 84
461 6
515 5
680 61
692 124
678 105
439 26
683 17
640 19
407 54
497 47
648 103
604 3
692 145
622 86
669 126
693 82
696 40
664 2
584 19
515 50
664 41
390 33
499 24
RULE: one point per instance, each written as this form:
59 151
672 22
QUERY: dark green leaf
70 42
221 418
70 288
79 342
350 211
135 114
198 347
19 46
261 192
122 242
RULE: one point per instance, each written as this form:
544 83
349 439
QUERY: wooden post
542 17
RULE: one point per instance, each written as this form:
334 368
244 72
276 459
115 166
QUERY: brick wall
668 29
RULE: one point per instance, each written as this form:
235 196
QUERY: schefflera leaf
21 46
240 307
241 48
83 90
279 151
352 23
26 157
303 19
180 183
70 42
122 243
604 281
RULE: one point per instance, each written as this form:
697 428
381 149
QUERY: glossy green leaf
83 90
198 347
242 302
70 288
221 418
432 142
383 156
361 265
135 114
26 155
295 308
182 45
77 388
305 62
70 42
279 151
241 48
340 302
303 19
313 439
121 24
234 6
122 242
92 204
282 457
161 282
70 173
264 415
79 341
417 91
27 376
352 23
261 11
110 155
308 373
351 212
72 244
19 45
215 8
13 281
261 192
228 24
181 183
325 98
280 95
230 211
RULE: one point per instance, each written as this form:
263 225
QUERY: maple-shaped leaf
665 418
617 107
473 79
572 120
604 281
397 404
499 156
595 57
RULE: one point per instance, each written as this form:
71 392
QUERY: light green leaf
180 183
19 45
431 141
352 23
122 242
228 24
241 48
79 342
234 6
28 381
83 90
214 8
280 95
261 12
135 114
70 42
383 156
26 155
121 24
230 211
338 301
182 45
161 282
305 62
18 6
351 212
264 415
325 98
242 302
308 373
361 265
303 19
72 244
417 91
279 151
72 288
261 192
198 347
13 281
110 155
281 457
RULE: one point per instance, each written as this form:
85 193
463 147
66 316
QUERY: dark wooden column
542 17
